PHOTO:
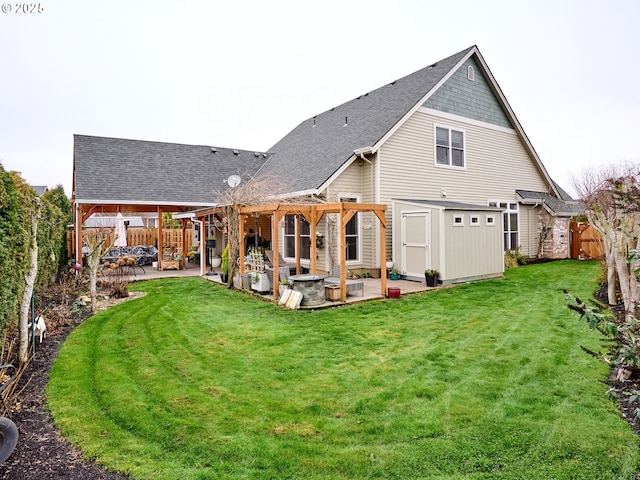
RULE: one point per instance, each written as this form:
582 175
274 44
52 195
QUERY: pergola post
275 238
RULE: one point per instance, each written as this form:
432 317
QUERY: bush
513 258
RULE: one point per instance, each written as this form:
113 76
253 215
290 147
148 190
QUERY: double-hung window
290 237
449 147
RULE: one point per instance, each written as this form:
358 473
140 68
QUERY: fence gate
586 242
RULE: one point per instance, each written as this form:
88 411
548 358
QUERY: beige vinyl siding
356 180
471 251
496 164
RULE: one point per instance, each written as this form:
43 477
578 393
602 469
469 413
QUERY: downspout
203 260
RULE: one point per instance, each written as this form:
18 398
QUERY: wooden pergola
313 213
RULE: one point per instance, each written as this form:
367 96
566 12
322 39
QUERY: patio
371 285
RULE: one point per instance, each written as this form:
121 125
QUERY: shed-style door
416 254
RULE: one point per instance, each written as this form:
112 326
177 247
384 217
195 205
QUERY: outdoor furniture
352 285
281 262
145 255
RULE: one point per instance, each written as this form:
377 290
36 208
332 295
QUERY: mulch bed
42 453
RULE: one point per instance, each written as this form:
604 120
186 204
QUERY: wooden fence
141 236
586 242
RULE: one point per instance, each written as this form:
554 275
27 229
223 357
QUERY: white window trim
477 220
303 261
490 220
358 199
460 223
508 210
471 73
435 147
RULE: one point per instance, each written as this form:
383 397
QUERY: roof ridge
102 137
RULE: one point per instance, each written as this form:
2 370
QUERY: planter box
375 272
260 282
332 292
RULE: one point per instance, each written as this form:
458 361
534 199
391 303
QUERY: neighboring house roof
320 147
449 205
562 207
40 189
120 171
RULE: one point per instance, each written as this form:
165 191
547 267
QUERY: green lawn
479 381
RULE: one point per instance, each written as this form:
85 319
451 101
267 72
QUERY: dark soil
41 452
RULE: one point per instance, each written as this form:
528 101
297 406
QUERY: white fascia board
337 173
470 121
512 116
85 201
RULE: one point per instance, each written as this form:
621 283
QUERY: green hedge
17 201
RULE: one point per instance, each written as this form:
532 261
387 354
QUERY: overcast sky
242 74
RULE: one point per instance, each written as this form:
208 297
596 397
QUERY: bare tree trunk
30 280
611 273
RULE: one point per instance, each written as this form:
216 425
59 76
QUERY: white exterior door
416 254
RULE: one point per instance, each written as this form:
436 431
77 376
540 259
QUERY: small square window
490 220
474 220
458 221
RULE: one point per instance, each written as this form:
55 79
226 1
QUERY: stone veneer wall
557 244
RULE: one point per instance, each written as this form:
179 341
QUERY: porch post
313 222
183 261
343 254
159 228
78 233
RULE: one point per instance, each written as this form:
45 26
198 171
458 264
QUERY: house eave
90 201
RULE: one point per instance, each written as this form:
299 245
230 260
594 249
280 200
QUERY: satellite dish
234 180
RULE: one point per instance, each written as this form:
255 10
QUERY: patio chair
334 279
281 262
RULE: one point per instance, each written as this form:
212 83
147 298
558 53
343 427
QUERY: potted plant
224 265
394 274
431 277
389 263
284 284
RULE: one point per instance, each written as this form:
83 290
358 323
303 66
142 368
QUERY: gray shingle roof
40 189
565 207
130 171
311 153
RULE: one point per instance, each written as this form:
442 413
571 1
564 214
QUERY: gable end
469 98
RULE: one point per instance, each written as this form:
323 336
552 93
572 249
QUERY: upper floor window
449 147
